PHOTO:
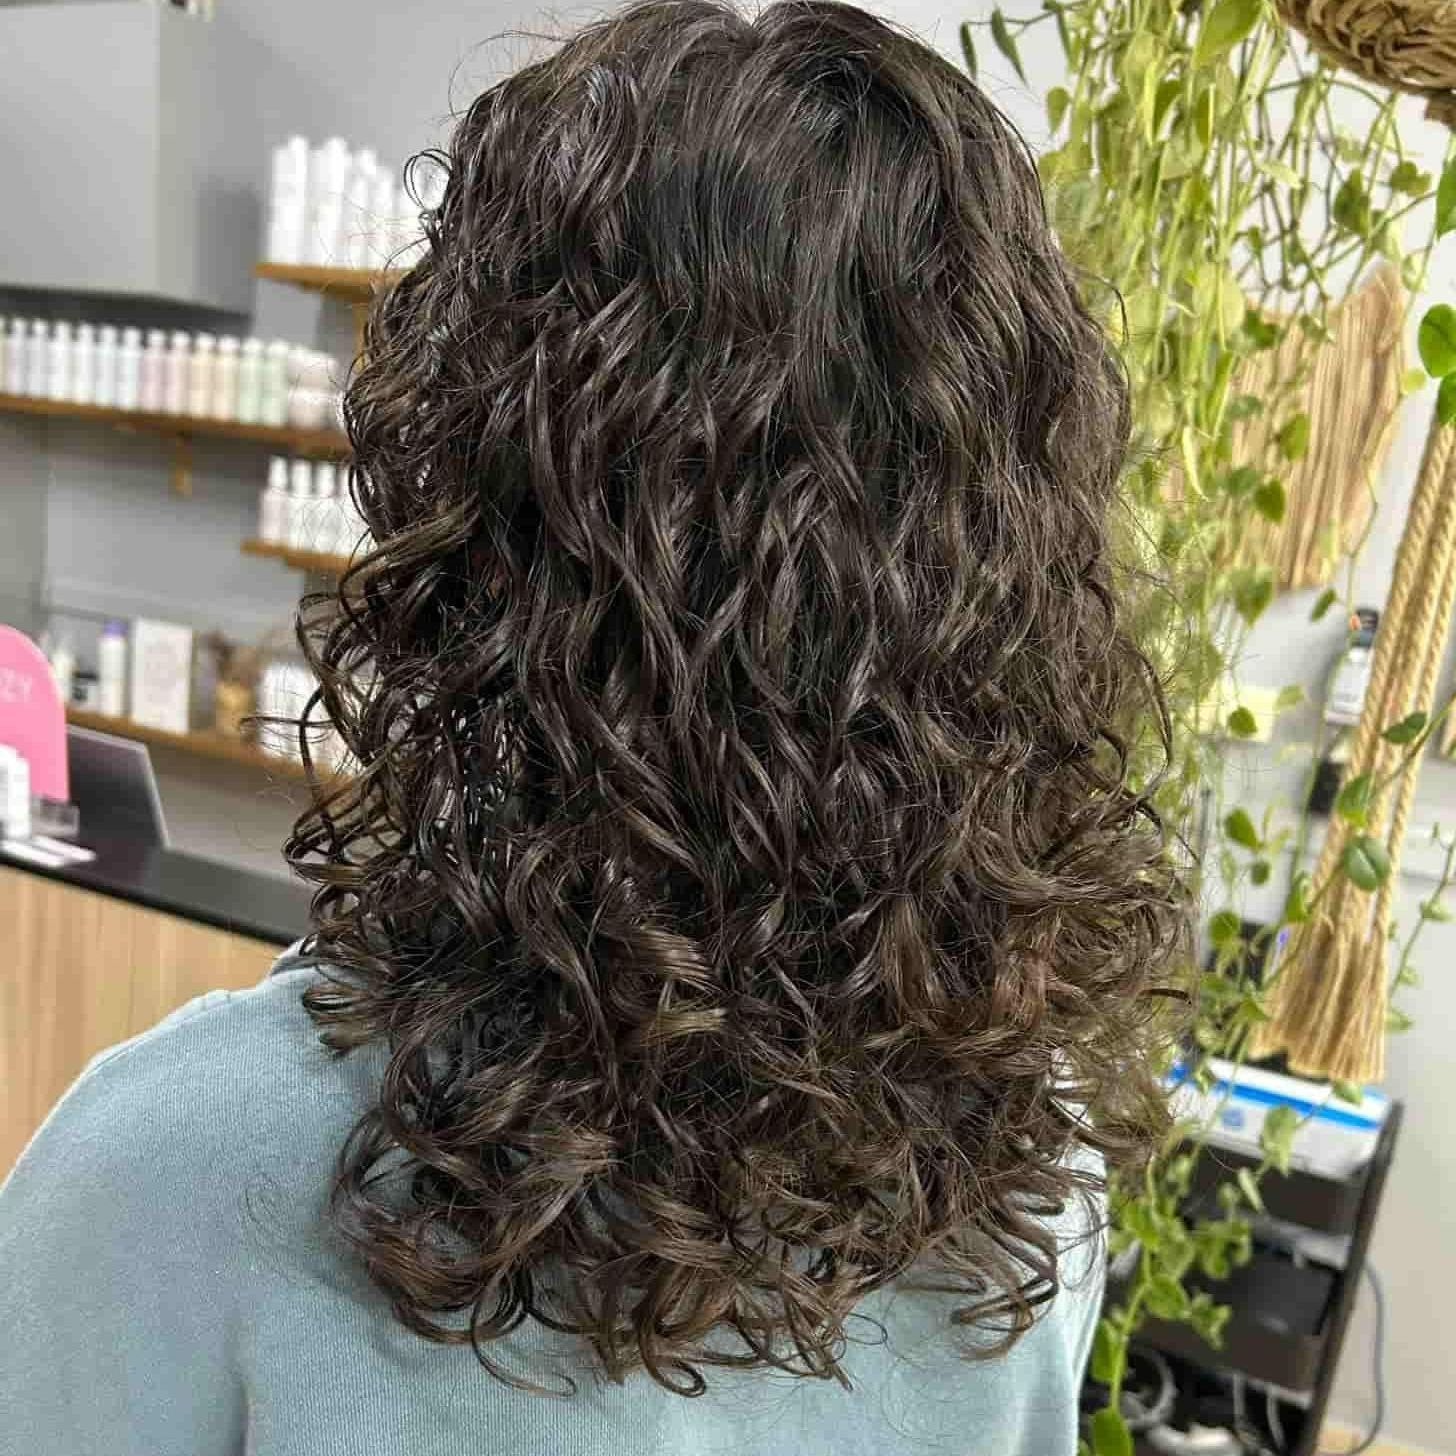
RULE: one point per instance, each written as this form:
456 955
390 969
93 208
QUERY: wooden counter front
82 971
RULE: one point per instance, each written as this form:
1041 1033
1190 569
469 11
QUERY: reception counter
99 952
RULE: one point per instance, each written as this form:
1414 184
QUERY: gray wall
388 76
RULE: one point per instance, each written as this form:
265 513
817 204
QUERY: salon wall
388 76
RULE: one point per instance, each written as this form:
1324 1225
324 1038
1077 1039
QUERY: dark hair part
743 869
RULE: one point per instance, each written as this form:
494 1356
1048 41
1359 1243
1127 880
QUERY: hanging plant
1219 213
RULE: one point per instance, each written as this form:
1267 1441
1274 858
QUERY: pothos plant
1217 185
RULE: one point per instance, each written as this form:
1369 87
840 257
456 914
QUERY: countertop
206 891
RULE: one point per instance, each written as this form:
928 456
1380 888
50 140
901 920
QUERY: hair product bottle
58 381
83 366
175 375
153 395
274 406
112 665
15 358
273 504
106 366
199 376
225 380
250 382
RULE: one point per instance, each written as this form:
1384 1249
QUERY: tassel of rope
1328 1001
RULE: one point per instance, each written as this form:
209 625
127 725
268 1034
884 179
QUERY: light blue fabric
168 1288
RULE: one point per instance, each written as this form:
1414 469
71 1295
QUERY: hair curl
742 867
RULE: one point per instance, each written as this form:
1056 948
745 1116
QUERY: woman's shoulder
224 1071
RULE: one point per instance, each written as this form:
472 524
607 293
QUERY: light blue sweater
168 1288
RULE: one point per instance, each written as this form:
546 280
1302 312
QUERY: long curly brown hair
743 868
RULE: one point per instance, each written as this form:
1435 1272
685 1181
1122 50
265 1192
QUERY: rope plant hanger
1328 1004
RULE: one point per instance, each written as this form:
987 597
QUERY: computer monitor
114 788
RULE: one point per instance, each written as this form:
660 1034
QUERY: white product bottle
288 201
175 375
273 504
58 379
112 669
328 176
273 408
298 514
355 249
225 380
14 794
15 358
250 382
129 369
38 359
382 203
152 395
200 369
325 508
63 668
106 366
83 366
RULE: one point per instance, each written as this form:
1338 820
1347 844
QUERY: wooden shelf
320 561
204 743
326 444
353 285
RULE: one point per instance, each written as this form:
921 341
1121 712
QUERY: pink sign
32 717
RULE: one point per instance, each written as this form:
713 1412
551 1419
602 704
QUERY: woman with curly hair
735 944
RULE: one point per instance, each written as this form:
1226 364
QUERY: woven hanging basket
1406 45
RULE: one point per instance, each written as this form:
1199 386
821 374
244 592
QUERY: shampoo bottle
107 365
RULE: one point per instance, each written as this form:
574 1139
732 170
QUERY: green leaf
1163 98
1322 603
968 49
1241 481
1280 172
1412 380
1408 178
1407 730
1351 208
1365 863
1259 871
1109 1354
1294 437
1288 697
1166 1298
1242 723
1223 927
1249 1187
1347 1091
1252 592
1276 1137
1227 24
1203 115
1269 500
1435 909
1004 42
1057 102
1110 1435
1446 199
1240 828
1245 406
1259 331
1446 400
1296 903
1436 340
1209 1318
1352 803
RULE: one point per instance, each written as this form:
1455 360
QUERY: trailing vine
1217 186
